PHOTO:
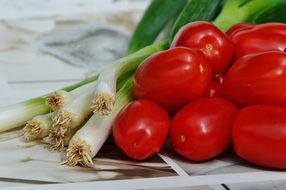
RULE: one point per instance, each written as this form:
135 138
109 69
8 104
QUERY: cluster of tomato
211 91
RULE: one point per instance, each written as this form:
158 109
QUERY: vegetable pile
217 88
216 82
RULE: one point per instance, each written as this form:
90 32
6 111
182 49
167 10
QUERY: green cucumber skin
196 10
155 18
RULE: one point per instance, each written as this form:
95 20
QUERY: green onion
59 98
71 117
17 115
236 11
38 127
59 142
68 118
196 11
106 84
155 18
88 140
272 14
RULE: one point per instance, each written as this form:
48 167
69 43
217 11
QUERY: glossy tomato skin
257 79
214 44
261 38
237 28
172 78
202 129
141 129
215 87
259 135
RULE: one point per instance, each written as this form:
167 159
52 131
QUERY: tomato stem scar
209 47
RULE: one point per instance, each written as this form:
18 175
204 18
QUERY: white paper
28 162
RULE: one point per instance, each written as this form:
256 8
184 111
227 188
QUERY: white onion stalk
71 116
87 141
59 143
16 115
104 95
59 98
38 127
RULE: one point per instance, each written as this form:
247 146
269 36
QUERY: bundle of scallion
59 98
69 117
41 125
17 115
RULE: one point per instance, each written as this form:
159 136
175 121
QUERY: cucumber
196 10
155 18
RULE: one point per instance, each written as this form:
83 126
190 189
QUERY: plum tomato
238 28
172 78
141 129
202 129
257 79
259 135
214 44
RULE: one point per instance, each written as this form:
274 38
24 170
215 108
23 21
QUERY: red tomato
210 40
237 28
215 88
261 38
141 129
259 135
172 78
202 129
257 79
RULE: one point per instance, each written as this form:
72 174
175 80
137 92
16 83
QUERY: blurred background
48 44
